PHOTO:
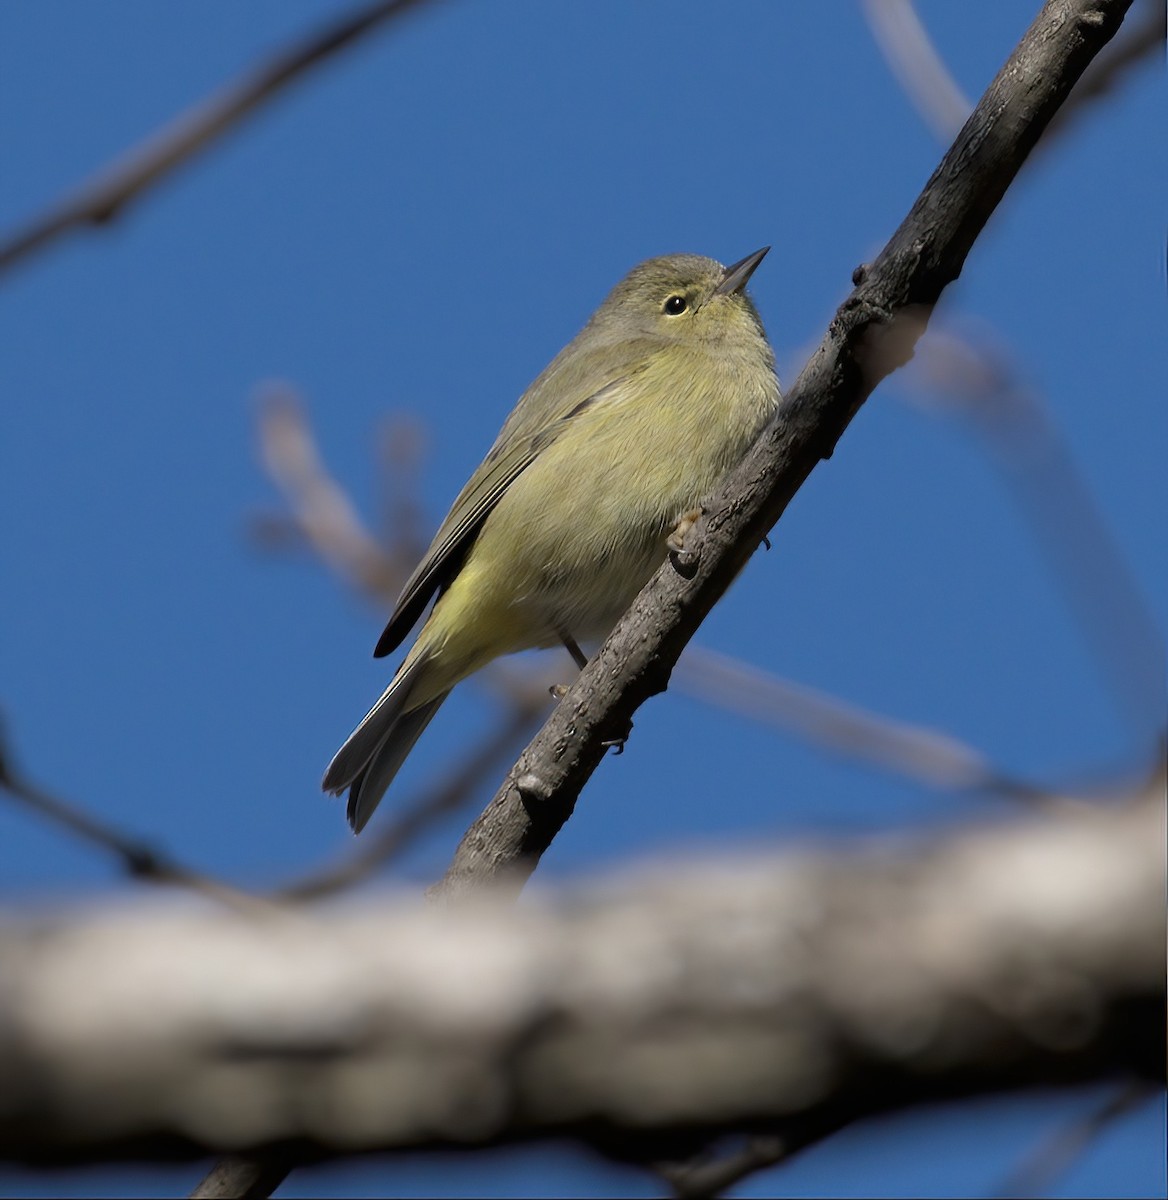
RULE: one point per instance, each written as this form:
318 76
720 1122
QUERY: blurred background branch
973 376
1053 1155
106 195
137 858
638 1015
939 100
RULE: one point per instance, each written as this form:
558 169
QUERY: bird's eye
675 306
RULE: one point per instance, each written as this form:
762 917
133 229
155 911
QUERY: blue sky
418 227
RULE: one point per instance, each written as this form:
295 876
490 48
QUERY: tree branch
873 332
976 379
102 198
137 858
916 752
774 993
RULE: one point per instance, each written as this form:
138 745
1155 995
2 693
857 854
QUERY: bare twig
943 106
868 313
402 524
1053 1156
974 377
926 755
323 517
320 508
1141 39
910 53
650 1013
104 196
138 859
236 1177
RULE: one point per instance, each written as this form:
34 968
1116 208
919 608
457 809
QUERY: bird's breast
582 529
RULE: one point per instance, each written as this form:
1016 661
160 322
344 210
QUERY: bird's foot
570 644
618 743
676 540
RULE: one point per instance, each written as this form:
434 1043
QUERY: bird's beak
735 276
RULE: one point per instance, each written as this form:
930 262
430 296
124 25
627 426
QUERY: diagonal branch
708 1176
1053 1155
974 378
104 196
138 859
916 752
873 332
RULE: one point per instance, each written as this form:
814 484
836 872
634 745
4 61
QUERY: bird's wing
575 385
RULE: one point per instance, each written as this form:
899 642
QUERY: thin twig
320 509
402 523
925 755
913 58
238 1177
1141 39
139 860
1035 1174
974 377
323 517
106 194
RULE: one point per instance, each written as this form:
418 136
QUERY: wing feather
450 544
522 439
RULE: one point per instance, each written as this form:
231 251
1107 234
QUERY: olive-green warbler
598 470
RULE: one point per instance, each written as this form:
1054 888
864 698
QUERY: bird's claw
676 540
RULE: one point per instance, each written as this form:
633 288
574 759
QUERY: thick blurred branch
808 989
873 332
102 198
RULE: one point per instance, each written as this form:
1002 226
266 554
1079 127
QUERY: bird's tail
376 749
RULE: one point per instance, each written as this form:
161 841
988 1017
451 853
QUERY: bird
596 474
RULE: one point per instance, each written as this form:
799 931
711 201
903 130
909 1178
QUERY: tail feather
376 749
369 786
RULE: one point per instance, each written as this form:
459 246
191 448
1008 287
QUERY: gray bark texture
792 992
